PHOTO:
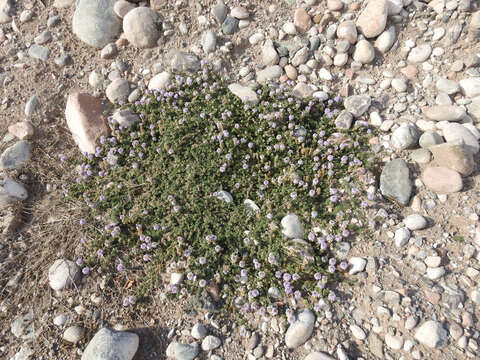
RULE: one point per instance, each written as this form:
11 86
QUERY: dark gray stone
395 182
230 25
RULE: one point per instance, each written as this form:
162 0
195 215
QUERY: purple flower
86 270
79 261
297 294
120 267
202 283
82 222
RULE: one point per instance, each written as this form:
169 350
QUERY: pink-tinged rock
442 180
303 21
84 119
22 130
373 19
334 5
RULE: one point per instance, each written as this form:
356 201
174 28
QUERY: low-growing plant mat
199 188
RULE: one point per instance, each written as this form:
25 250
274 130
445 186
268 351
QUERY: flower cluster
199 186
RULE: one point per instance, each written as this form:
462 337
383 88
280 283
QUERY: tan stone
373 18
302 21
22 130
442 180
84 119
453 156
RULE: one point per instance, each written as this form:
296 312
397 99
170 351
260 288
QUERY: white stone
110 344
199 331
300 330
432 334
393 342
358 332
358 265
292 227
159 81
176 278
402 236
63 274
210 342
435 273
415 222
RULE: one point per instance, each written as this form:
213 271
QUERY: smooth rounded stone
442 180
108 344
256 38
251 206
364 52
109 51
224 196
342 46
402 236
230 25
60 320
63 274
74 334
95 23
399 85
386 40
474 109
39 52
239 12
470 86
16 156
358 265
395 182
23 130
117 91
53 21
435 273
415 222
344 120
300 330
245 93
180 351
335 5
159 81
141 27
289 28
455 330
421 156
419 54
300 57
358 332
357 105
340 59
31 106
447 86
432 334
269 73
42 38
291 226
454 156
433 261
63 60
220 11
63 4
199 331
125 117
348 31
445 113
405 137
455 133
210 342
373 18
6 9
122 7
430 138
84 115
394 342
209 41
269 54
302 21
11 192
291 72
475 296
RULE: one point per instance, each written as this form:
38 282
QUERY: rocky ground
409 68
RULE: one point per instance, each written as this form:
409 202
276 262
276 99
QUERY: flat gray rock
269 73
357 104
180 351
95 23
108 344
39 52
16 156
395 182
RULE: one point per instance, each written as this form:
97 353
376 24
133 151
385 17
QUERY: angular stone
142 27
269 73
474 109
244 93
430 138
11 192
15 156
181 61
6 10
373 18
39 52
23 130
445 113
447 86
125 117
453 156
395 181
230 25
220 11
269 54
84 119
109 344
344 120
95 23
442 180
357 105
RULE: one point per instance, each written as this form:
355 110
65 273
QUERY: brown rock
442 180
22 130
291 72
317 18
302 21
354 6
432 297
84 119
453 156
445 113
373 18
